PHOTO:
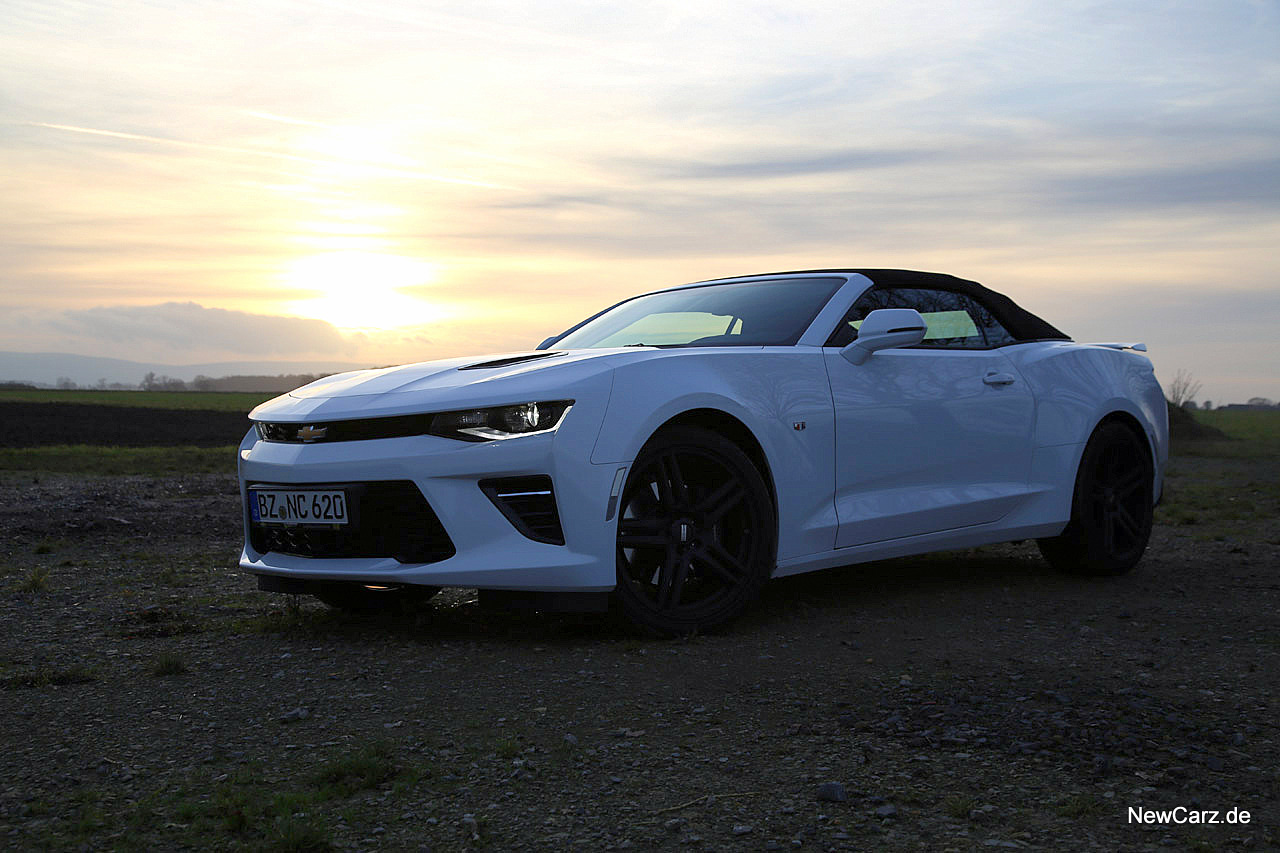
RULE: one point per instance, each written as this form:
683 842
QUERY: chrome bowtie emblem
311 433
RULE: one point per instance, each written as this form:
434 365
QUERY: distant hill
46 368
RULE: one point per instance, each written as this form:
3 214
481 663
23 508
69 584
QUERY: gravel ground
153 699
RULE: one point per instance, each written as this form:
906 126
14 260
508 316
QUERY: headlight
502 422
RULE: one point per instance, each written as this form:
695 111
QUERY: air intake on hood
513 359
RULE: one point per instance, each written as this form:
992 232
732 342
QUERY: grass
507 747
1219 489
37 580
367 768
959 807
167 663
47 676
215 401
151 461
1079 805
1252 434
1257 425
256 807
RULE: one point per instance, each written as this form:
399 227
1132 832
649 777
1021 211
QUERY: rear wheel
696 533
373 599
1111 512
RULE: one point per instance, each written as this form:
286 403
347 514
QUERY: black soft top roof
1019 322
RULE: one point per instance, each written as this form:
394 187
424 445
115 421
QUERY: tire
696 533
360 600
1111 509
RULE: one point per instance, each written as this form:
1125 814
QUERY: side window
996 334
955 321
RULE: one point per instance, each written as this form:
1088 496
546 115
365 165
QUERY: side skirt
946 540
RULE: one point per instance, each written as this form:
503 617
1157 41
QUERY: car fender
780 394
1078 385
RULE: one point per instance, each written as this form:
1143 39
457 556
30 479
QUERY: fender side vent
529 503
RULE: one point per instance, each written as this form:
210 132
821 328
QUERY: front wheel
696 533
1112 508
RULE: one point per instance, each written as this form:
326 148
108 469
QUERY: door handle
995 378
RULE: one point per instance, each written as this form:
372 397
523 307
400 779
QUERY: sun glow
362 290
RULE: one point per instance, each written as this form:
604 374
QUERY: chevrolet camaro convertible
671 454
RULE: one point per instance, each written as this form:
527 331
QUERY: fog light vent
529 503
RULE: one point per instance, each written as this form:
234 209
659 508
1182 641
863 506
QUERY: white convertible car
675 451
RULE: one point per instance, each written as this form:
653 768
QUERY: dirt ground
151 698
47 424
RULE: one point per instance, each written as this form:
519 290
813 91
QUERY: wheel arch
1129 420
726 425
1134 424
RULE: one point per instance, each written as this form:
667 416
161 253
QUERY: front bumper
490 552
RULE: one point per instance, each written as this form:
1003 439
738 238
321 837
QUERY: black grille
361 429
385 519
529 503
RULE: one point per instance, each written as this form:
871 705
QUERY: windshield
756 313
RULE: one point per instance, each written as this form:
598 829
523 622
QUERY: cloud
784 163
1253 183
196 332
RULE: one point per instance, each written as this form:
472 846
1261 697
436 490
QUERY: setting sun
361 290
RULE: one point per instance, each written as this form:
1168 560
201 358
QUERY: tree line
152 382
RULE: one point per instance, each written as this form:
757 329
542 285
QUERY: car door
928 438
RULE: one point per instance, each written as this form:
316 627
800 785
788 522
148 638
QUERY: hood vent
509 360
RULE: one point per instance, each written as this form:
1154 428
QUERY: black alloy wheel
696 533
1112 509
372 599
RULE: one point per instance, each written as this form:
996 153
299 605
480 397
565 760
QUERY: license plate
297 506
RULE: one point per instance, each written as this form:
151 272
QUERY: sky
398 181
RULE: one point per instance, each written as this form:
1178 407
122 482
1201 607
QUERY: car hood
444 384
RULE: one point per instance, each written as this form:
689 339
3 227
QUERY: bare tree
1183 389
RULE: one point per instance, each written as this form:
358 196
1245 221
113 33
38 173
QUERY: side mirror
886 328
548 342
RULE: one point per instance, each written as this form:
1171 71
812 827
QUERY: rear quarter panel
1077 385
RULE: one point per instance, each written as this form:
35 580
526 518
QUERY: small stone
296 715
742 829
887 810
571 740
832 792
674 824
